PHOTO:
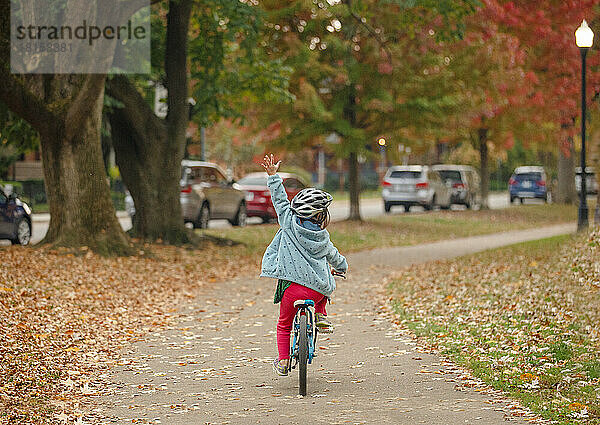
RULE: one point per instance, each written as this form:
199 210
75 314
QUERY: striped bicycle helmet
310 201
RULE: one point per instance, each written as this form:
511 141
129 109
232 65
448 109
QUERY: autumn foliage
546 32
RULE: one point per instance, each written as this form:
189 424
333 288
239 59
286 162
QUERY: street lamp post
584 38
383 160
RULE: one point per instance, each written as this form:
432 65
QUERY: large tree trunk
140 142
354 186
485 171
353 166
141 150
81 210
149 150
566 193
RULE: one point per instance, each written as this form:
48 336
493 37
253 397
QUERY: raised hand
269 164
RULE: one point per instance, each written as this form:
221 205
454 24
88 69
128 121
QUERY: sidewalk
44 217
214 366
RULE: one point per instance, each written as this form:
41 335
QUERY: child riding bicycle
300 257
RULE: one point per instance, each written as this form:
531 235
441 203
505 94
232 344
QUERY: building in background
28 167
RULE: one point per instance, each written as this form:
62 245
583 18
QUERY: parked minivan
408 185
465 183
528 182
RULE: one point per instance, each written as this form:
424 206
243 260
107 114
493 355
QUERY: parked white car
591 184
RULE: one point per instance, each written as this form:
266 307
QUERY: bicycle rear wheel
302 355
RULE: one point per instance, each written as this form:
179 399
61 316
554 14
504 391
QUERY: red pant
287 311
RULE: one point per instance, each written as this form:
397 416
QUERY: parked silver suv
464 181
408 185
205 194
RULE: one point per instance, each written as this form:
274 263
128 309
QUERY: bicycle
304 341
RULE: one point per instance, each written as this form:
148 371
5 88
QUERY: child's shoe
280 367
323 324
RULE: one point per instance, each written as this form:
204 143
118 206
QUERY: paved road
41 221
214 366
339 211
374 207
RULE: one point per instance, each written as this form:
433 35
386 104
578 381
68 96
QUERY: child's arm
275 185
278 197
335 259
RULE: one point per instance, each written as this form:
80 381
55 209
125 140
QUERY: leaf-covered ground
525 319
63 316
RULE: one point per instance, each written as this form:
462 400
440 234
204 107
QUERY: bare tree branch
23 103
135 110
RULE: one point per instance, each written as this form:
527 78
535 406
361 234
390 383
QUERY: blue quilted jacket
299 254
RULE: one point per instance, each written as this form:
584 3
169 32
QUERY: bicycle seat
303 303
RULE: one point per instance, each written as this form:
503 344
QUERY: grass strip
409 229
525 319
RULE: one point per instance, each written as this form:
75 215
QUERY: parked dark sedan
15 219
528 182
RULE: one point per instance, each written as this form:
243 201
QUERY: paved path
214 366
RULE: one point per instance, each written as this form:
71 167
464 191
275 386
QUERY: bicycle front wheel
302 354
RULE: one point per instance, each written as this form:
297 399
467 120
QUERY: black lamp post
584 38
383 160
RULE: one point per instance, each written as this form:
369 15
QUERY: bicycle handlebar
340 274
